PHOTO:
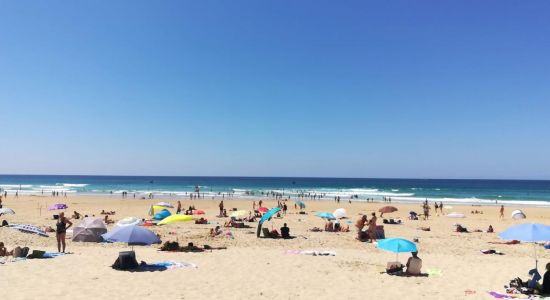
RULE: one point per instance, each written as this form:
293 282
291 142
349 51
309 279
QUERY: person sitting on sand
460 228
285 232
230 223
4 251
329 226
545 289
216 231
76 215
490 229
107 221
414 264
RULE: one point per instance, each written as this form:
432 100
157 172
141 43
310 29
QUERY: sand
262 268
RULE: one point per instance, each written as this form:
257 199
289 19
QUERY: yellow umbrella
175 218
239 214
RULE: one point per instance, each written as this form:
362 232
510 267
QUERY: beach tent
154 209
162 214
518 214
128 221
133 235
268 214
301 204
175 218
89 230
456 215
339 213
6 211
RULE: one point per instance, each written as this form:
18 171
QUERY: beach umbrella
397 245
29 229
263 209
387 209
325 215
267 215
518 214
530 233
165 204
339 213
239 214
162 214
128 221
301 204
89 230
198 212
6 211
175 218
456 215
58 206
133 235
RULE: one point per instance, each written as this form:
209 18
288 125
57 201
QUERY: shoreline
397 200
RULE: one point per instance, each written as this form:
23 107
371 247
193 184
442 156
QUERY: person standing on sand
178 210
254 205
502 211
221 208
260 203
372 228
441 207
61 230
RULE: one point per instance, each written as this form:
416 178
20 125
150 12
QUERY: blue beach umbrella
325 215
397 245
530 233
268 214
133 235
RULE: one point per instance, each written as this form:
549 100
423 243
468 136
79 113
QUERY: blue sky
417 89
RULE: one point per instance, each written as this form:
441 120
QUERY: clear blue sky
422 89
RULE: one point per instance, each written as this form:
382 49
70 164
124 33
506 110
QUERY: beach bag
126 261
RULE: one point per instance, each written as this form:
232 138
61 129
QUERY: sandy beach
261 268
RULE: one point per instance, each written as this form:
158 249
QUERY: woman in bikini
61 230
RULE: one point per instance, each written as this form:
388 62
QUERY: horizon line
290 177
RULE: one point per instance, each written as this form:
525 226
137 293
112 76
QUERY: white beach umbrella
518 214
6 211
339 213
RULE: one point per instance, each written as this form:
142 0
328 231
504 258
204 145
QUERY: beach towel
312 252
498 295
161 266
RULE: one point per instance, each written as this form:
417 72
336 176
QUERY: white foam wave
75 184
16 186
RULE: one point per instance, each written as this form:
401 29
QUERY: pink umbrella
58 206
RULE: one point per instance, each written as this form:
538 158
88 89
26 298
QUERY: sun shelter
89 230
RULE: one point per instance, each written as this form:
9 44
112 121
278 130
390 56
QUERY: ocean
530 192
